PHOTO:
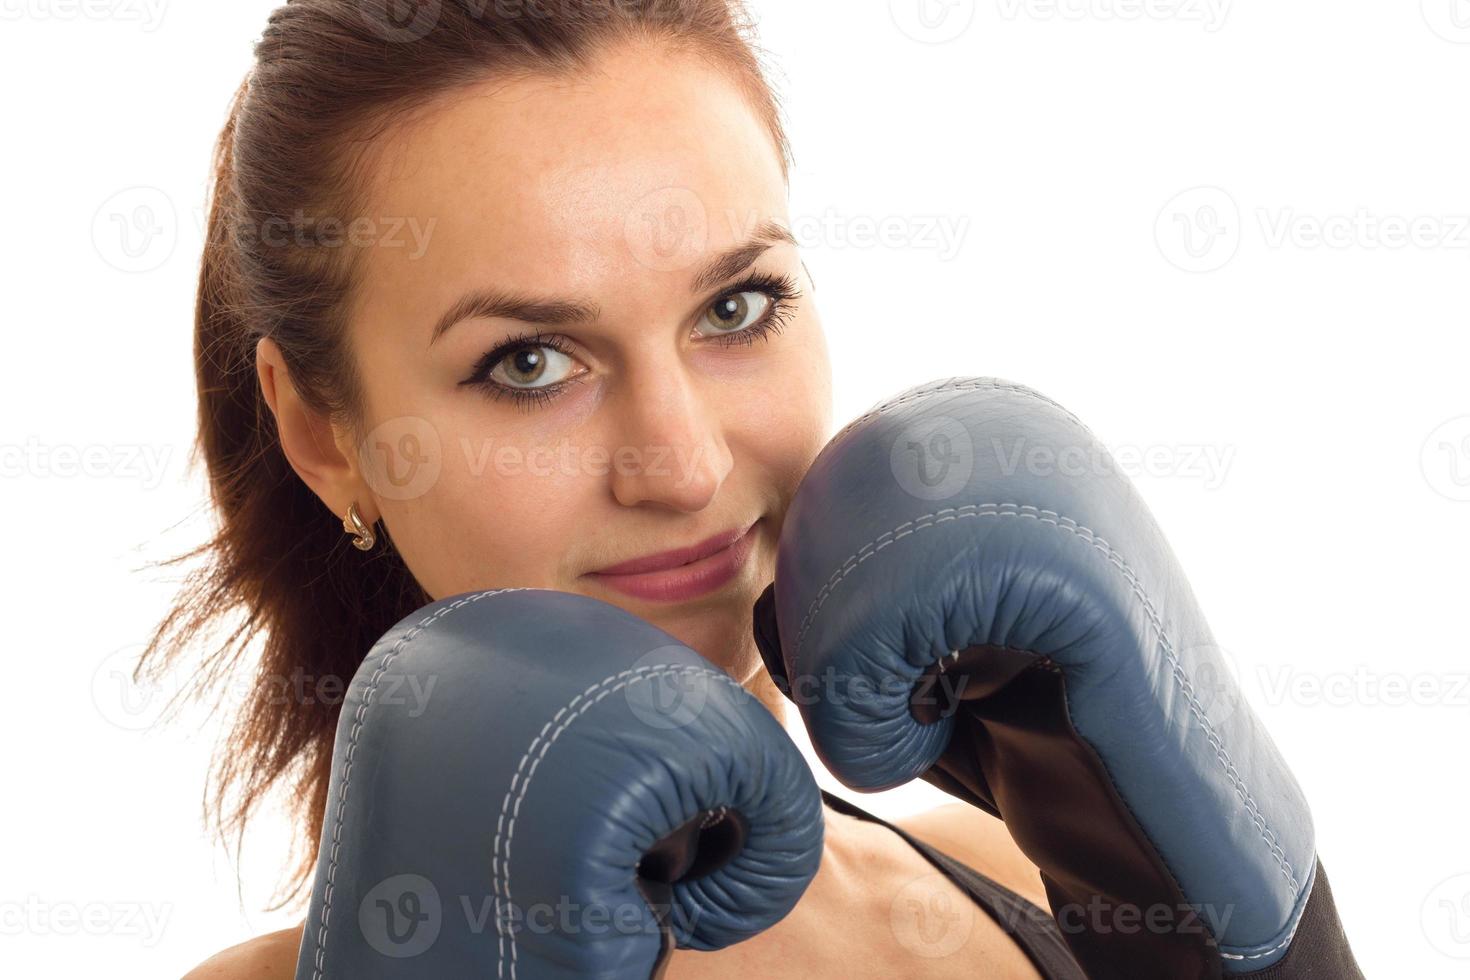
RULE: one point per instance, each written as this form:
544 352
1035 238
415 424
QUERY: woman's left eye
734 312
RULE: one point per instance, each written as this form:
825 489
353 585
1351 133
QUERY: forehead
556 185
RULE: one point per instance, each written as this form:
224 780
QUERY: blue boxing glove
969 591
536 785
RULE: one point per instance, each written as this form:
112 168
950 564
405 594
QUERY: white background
1217 232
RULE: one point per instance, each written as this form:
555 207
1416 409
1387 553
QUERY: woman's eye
532 367
736 311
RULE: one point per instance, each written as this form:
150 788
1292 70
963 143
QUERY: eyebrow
494 303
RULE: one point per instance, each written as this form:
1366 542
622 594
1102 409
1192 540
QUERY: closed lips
679 556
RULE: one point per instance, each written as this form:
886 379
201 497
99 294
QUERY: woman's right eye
529 369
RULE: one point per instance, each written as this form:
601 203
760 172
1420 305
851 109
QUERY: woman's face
601 345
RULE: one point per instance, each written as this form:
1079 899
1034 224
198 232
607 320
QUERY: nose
670 450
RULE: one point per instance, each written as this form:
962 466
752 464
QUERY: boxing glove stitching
1067 524
357 723
1296 918
620 681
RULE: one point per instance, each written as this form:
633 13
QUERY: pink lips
683 573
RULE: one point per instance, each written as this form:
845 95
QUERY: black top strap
1033 928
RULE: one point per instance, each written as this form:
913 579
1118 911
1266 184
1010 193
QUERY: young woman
506 292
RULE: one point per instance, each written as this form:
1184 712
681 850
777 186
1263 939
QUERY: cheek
804 407
794 427
496 515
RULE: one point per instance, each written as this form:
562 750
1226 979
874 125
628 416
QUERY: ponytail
316 604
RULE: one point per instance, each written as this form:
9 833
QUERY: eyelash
781 290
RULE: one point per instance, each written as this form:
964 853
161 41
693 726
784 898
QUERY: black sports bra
1033 928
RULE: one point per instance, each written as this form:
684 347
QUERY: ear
320 454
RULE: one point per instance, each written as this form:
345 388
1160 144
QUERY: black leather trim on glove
768 638
1320 949
1014 752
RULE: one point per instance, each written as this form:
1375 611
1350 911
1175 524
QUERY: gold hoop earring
352 524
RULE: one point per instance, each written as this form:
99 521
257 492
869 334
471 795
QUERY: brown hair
328 76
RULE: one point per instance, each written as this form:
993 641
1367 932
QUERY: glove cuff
1320 947
768 639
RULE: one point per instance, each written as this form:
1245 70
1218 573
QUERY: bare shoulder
972 836
268 957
